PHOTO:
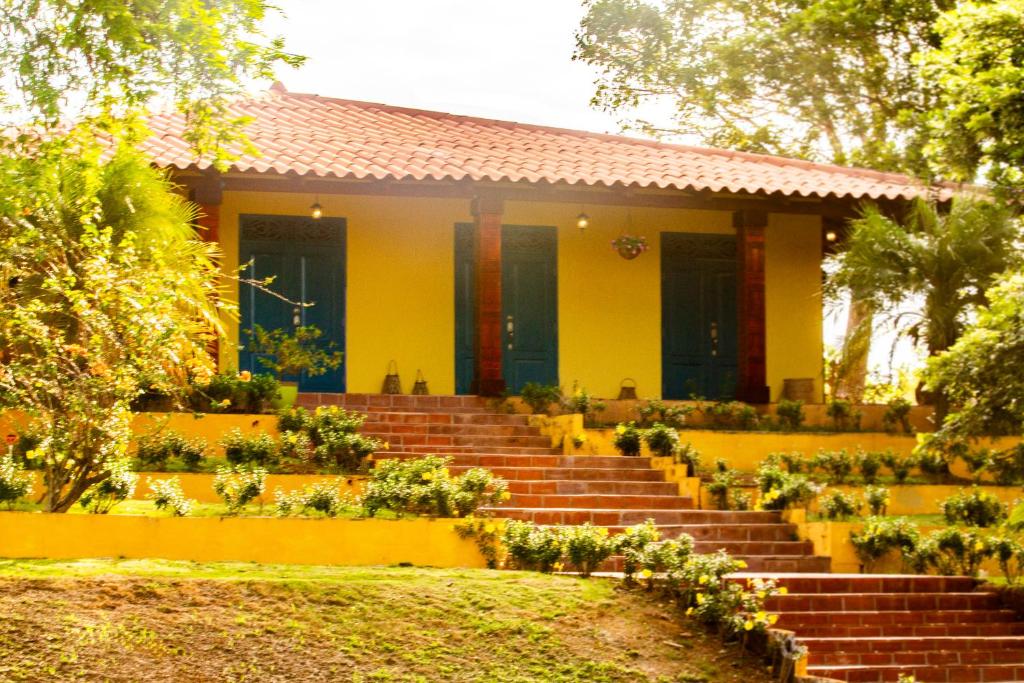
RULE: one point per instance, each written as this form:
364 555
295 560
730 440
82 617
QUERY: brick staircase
550 488
872 628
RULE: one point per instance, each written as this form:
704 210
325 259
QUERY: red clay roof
311 135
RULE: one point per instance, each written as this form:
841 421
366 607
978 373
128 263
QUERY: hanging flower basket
630 246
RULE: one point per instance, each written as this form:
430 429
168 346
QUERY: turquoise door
306 258
529 292
699 319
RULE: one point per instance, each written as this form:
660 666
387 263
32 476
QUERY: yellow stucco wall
400 290
793 306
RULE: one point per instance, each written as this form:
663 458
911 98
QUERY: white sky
499 59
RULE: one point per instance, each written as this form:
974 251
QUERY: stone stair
872 628
550 488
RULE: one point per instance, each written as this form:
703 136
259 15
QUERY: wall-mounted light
316 211
831 236
582 221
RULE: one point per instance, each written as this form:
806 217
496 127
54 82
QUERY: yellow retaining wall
400 289
924 499
421 542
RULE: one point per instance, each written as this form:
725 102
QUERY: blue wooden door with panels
306 258
699 316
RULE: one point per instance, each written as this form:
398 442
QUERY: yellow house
487 254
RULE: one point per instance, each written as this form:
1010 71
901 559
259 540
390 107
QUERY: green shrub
688 455
627 439
790 414
238 487
294 419
837 505
154 452
586 547
657 411
707 597
582 402
15 482
631 543
424 487
643 551
662 440
539 397
952 551
869 463
1009 553
533 547
337 443
234 393
877 498
781 489
794 462
838 465
899 466
101 497
25 448
722 482
730 415
977 462
166 494
259 449
881 537
897 413
323 497
976 508
1008 466
840 411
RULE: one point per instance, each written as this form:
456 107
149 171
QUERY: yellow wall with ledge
400 287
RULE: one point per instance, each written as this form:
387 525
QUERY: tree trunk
855 352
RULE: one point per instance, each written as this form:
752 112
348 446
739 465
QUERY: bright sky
507 60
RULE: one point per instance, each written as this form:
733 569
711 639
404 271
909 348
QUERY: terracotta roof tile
326 137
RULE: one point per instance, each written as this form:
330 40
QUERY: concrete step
601 501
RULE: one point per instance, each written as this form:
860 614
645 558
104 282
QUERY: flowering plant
630 246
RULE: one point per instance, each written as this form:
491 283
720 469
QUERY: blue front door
306 259
698 314
529 286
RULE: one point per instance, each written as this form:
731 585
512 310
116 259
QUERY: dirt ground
383 624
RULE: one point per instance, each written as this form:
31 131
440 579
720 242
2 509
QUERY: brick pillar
753 375
208 196
488 377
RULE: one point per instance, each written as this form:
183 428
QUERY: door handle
510 329
714 338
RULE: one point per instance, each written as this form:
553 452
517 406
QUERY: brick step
868 602
564 486
601 501
730 532
378 402
569 473
745 548
980 629
621 518
447 418
765 563
477 441
927 651
897 623
869 583
922 674
448 429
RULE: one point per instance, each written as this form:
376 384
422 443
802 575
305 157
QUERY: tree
978 73
106 289
820 79
983 372
944 262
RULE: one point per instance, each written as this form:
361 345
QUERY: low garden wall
925 499
421 542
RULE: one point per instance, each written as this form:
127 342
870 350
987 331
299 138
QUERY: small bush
722 481
897 414
781 489
15 482
292 420
976 508
837 505
627 439
881 537
533 547
323 497
539 397
952 551
234 393
877 498
154 452
1009 553
101 497
238 487
166 494
259 450
899 466
662 440
790 414
841 412
583 403
586 547
631 544
869 463
424 487
689 456
794 462
1008 466
657 411
708 598
337 443
838 465
977 462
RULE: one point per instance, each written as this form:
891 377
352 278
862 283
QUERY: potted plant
291 355
630 246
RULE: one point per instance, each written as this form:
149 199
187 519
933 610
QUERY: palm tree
941 260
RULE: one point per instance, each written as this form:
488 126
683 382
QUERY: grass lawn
152 620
